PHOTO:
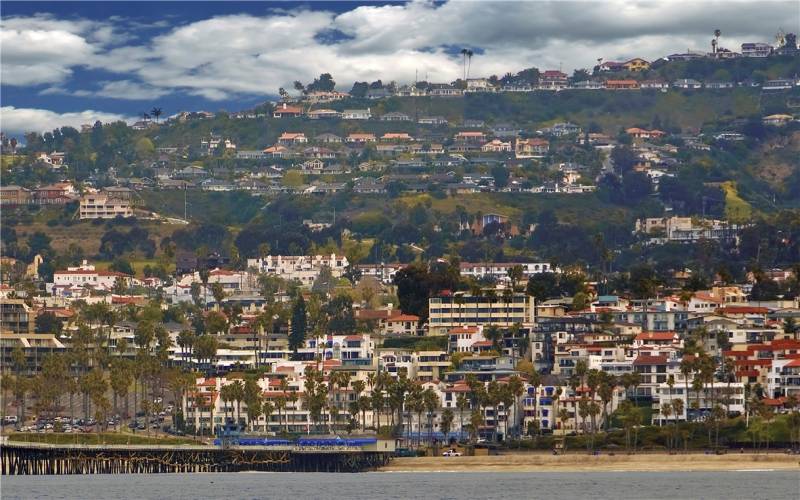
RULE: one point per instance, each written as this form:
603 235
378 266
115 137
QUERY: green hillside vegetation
737 210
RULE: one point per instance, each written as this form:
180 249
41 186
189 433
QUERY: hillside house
395 116
687 84
292 138
286 111
360 138
496 146
531 148
622 85
323 114
553 80
356 114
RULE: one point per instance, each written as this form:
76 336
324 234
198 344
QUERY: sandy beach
577 462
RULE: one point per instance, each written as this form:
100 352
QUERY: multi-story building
302 268
458 309
104 206
500 270
16 316
698 403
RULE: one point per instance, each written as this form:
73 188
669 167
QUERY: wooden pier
34 459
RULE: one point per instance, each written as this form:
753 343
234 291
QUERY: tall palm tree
469 62
156 112
462 403
464 53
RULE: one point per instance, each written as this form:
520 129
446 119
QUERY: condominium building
16 316
104 206
448 311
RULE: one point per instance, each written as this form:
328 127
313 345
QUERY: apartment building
459 309
17 317
302 268
104 206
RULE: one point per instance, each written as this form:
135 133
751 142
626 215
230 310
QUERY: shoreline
540 462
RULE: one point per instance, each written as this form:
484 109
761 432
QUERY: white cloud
19 120
245 54
42 49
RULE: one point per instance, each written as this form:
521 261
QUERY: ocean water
400 485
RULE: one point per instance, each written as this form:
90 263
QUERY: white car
451 453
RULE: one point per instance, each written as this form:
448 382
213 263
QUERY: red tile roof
650 360
662 336
742 310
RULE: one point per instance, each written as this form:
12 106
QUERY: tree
500 174
218 293
446 422
324 83
156 112
251 395
297 334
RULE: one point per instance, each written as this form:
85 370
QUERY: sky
69 63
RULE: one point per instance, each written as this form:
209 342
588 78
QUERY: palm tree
464 53
156 112
462 403
446 423
431 403
666 411
469 62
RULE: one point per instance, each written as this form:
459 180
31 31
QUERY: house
505 130
360 138
561 129
587 85
286 111
531 148
85 275
621 84
476 137
777 120
250 155
636 64
611 66
687 84
14 195
54 194
323 96
433 120
356 114
640 133
781 84
444 90
653 84
312 166
756 49
686 56
395 116
719 85
277 151
322 114
319 152
479 85
553 80
292 138
328 138
396 136
496 146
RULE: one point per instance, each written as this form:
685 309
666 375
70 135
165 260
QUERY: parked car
451 453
